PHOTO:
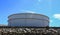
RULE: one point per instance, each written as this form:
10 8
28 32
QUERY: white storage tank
28 20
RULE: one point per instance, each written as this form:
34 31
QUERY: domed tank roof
28 13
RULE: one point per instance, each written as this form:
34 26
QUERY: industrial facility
28 24
28 20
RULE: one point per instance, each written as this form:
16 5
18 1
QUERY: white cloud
51 21
28 11
39 0
57 16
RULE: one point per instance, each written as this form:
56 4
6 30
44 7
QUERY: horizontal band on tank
28 18
27 14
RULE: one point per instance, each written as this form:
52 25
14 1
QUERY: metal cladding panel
33 22
17 22
36 16
17 16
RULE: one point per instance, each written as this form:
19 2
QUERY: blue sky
50 8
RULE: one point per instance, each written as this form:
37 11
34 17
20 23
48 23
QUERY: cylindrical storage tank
28 20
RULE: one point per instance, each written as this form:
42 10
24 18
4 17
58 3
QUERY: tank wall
28 22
